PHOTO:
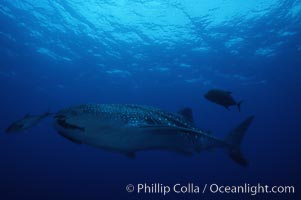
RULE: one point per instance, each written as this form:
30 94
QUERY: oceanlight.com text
193 188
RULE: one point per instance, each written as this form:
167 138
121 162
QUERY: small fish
127 129
222 97
27 122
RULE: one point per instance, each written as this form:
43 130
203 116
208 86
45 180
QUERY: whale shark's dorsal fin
186 113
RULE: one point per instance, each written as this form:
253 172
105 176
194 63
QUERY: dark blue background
40 164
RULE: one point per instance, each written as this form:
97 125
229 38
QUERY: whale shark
128 129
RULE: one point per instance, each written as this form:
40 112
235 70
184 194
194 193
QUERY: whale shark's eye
63 123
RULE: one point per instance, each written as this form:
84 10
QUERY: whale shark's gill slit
63 123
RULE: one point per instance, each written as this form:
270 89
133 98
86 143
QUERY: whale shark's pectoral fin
131 155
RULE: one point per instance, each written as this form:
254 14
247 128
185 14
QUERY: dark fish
222 97
27 122
127 129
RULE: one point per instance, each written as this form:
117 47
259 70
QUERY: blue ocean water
163 53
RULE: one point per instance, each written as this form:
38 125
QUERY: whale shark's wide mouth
66 125
61 120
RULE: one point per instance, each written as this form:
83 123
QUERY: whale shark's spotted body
126 129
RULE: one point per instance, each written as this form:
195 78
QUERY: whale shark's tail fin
234 139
